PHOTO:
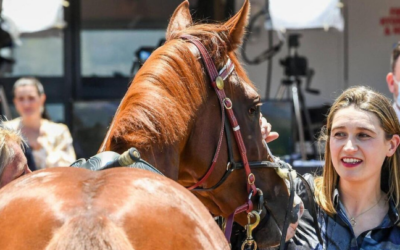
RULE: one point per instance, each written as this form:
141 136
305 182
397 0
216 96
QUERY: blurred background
86 53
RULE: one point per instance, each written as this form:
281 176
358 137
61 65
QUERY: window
38 56
114 30
106 53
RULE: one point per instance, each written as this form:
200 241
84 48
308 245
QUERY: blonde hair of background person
13 163
365 99
51 143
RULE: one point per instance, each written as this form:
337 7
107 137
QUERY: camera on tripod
294 64
295 68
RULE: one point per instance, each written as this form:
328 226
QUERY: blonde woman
51 143
358 195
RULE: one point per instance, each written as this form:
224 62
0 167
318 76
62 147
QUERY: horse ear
180 20
237 25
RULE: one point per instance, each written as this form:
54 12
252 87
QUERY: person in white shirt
51 142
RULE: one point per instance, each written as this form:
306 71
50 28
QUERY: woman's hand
267 135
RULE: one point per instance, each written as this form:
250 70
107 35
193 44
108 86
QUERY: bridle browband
217 83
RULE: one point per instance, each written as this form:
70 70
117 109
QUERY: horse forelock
168 90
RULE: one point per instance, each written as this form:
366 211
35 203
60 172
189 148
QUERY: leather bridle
285 170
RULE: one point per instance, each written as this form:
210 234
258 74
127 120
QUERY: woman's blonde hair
366 99
7 154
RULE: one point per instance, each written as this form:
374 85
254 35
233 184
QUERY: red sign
391 23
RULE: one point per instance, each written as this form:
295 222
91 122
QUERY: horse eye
252 110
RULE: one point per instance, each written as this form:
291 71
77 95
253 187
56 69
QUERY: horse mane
168 90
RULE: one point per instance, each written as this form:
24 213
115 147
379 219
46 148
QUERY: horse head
173 113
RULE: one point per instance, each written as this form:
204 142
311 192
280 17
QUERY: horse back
70 208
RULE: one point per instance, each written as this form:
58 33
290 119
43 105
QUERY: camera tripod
296 66
291 86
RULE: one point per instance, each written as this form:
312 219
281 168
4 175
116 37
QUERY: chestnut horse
172 115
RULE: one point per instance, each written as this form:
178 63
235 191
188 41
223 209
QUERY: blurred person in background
393 78
51 143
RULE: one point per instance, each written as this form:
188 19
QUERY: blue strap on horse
108 159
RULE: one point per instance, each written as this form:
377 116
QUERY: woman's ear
393 145
390 82
43 99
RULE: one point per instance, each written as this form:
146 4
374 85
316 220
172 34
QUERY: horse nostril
294 216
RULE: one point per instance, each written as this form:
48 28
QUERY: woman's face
358 145
28 102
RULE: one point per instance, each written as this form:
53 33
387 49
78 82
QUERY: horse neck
165 158
161 136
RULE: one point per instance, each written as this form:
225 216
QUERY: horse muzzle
269 231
